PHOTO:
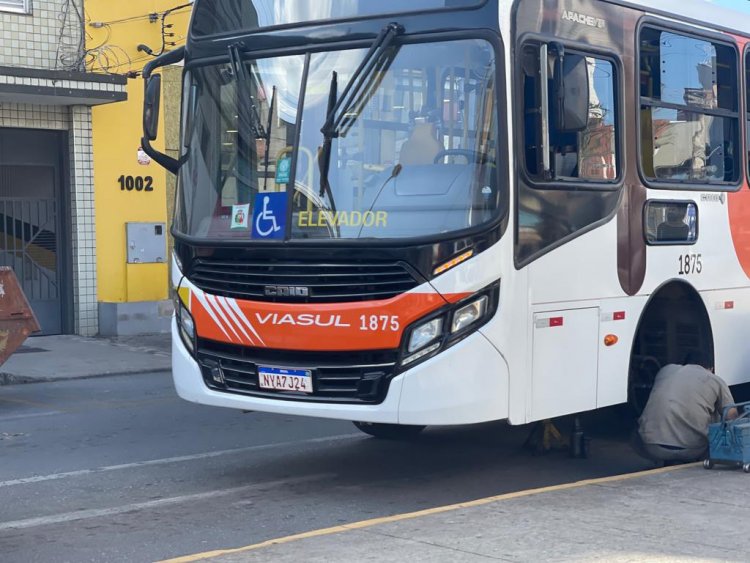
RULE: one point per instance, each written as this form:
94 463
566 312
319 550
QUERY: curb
427 512
13 379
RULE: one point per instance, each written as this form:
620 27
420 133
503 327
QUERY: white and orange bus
456 211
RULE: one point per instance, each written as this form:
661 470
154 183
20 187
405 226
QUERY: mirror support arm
544 89
169 58
172 57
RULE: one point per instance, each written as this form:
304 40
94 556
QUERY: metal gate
30 234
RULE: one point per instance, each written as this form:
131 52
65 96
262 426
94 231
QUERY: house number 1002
137 183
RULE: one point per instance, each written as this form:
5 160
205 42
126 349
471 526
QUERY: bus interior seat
422 145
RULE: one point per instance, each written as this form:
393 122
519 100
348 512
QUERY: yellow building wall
115 29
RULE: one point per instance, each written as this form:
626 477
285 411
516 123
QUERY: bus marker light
729 304
618 316
454 262
610 340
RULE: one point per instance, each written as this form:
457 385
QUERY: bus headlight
469 314
424 334
186 328
426 338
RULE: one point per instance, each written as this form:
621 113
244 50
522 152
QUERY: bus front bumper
465 384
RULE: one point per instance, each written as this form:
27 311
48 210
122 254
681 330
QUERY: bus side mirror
571 91
152 99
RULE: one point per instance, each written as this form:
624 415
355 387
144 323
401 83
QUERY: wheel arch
671 325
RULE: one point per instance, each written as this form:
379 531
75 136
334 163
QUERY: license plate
281 379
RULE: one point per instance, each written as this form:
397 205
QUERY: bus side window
670 222
689 109
588 155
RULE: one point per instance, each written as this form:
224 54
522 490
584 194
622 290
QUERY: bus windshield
413 155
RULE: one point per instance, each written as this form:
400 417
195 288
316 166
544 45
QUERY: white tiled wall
32 41
34 116
83 212
89 85
84 233
77 121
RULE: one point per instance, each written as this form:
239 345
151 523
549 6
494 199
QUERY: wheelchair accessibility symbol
269 215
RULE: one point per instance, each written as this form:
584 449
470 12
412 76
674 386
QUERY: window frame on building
716 39
15 6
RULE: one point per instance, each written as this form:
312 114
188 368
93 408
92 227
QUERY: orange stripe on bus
738 204
367 325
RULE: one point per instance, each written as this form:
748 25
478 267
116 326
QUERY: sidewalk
673 514
55 358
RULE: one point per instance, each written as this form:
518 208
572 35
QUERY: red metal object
17 320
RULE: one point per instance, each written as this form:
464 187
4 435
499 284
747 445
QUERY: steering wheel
471 155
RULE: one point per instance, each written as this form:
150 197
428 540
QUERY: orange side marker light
610 340
452 263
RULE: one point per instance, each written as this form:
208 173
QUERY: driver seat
422 146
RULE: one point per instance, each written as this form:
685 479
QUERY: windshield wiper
344 110
324 156
243 82
269 127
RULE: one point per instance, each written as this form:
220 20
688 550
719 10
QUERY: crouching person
685 399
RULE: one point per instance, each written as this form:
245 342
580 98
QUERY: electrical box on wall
147 243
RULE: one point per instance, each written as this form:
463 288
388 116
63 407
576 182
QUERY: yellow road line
426 512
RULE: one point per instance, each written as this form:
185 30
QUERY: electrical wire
108 62
165 26
138 71
153 16
110 59
71 42
105 57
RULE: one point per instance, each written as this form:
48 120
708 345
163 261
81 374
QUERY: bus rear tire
389 431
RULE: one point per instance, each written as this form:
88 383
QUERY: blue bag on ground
729 440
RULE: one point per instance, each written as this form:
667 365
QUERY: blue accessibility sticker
269 215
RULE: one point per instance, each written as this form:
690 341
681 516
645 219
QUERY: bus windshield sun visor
344 110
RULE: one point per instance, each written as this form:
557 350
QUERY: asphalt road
121 469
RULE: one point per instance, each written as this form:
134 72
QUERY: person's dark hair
700 358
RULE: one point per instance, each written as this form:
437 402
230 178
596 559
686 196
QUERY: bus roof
702 12
698 12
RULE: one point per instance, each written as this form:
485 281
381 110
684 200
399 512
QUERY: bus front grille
338 377
302 282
